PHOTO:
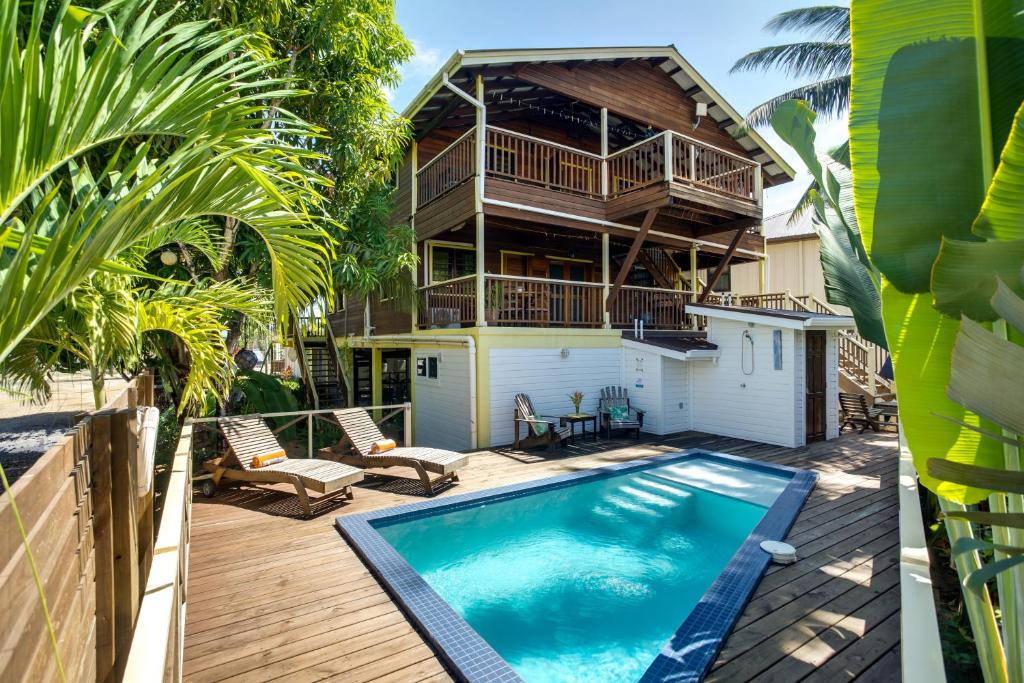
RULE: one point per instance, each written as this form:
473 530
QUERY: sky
710 35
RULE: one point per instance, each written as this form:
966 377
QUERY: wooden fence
91 537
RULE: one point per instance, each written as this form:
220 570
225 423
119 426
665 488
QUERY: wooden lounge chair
361 432
540 430
856 412
616 397
250 436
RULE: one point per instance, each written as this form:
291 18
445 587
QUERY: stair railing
307 375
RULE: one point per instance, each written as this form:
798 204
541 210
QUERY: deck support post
762 274
693 273
605 277
627 264
758 186
414 191
604 152
481 152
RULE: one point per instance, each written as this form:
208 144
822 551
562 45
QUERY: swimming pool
635 571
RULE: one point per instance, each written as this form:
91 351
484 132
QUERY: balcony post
481 159
693 161
693 273
605 267
668 156
758 185
604 152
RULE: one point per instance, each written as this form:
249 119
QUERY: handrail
713 147
292 413
659 289
545 280
549 143
440 154
635 144
447 282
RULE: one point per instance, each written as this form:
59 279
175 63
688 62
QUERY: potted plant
577 398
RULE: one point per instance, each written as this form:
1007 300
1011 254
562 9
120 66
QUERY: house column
481 157
605 279
693 273
604 152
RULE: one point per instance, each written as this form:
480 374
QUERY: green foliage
263 393
850 279
826 60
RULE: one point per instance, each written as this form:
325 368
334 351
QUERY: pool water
588 581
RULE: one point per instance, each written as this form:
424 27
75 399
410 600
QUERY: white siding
547 379
675 390
832 385
641 375
760 406
442 405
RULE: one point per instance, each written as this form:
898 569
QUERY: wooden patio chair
540 430
857 413
618 397
361 432
249 437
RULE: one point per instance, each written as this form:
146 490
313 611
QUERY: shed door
816 341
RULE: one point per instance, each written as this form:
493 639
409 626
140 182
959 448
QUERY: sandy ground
27 430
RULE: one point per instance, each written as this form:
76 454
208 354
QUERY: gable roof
672 63
778 226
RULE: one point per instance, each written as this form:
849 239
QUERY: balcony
668 166
540 302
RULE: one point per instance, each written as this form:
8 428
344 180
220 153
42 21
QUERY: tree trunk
99 393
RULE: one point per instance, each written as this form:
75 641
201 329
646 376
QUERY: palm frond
804 204
830 22
829 99
799 60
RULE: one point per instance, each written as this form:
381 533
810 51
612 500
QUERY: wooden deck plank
274 597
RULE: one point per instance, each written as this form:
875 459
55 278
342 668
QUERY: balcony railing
539 302
448 303
525 159
659 309
447 170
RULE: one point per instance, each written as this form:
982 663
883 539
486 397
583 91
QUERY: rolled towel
382 445
271 458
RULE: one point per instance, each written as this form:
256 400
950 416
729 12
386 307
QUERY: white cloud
424 63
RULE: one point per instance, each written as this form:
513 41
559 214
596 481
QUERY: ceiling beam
634 249
439 118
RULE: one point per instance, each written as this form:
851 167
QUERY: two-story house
561 198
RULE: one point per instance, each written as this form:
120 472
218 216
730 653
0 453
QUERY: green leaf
965 274
989 478
1009 306
985 376
976 580
1008 519
1001 217
966 545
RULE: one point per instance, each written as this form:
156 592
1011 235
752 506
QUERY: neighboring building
603 181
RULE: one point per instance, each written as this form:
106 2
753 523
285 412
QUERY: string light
621 130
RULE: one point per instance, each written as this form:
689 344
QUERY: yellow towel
268 459
382 445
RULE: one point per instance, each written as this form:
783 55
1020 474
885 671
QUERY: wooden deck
274 597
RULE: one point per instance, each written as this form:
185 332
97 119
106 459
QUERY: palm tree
120 125
826 60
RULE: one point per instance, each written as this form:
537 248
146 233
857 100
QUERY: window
447 262
426 367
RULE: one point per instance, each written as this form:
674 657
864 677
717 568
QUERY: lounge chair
856 412
361 432
249 437
617 397
540 430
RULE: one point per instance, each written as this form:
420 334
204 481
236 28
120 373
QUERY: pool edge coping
701 635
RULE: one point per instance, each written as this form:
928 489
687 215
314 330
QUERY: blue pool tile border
690 652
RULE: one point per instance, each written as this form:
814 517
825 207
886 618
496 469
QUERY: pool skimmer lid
782 553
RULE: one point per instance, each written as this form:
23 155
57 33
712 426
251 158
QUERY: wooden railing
90 534
452 302
659 309
636 166
540 302
311 325
524 158
447 170
715 169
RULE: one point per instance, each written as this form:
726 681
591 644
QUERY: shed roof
798 320
779 227
668 59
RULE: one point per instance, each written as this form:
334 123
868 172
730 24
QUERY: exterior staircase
320 362
660 264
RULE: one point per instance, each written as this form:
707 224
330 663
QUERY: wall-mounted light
701 112
564 353
168 257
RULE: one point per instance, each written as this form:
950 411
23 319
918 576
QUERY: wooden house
559 197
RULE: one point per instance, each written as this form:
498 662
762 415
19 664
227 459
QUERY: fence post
104 547
309 435
124 515
407 423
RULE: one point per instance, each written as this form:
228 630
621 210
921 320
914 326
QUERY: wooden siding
276 597
635 90
531 195
447 211
402 196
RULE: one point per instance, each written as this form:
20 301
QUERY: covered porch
532 273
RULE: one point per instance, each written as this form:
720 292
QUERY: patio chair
617 397
856 413
249 437
361 432
540 430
